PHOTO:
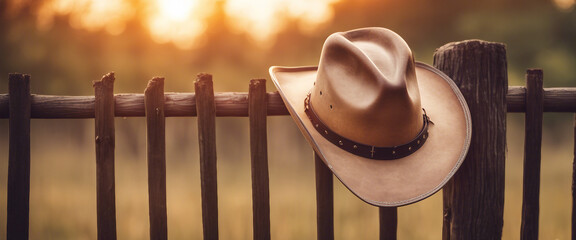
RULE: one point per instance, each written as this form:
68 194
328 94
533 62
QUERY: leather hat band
367 151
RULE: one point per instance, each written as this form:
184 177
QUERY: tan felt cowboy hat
391 129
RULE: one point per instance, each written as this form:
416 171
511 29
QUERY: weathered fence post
257 105
156 149
474 198
532 154
18 199
105 144
206 110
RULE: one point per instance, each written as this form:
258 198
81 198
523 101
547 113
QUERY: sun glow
264 18
182 21
178 21
176 10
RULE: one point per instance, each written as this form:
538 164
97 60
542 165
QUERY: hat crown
366 88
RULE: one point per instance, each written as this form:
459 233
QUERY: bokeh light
565 4
264 18
182 21
110 15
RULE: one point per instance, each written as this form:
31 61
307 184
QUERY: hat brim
390 182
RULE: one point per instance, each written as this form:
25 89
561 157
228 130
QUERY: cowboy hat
392 130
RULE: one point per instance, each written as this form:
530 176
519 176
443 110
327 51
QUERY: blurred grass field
63 197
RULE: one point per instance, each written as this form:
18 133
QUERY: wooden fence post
206 111
156 148
532 154
474 198
259 159
18 199
105 144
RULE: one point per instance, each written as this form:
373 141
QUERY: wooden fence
473 199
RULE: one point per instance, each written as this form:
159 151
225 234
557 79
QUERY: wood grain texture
206 110
105 146
18 199
388 217
156 149
324 200
474 197
259 159
532 155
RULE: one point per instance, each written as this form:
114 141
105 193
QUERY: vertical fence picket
156 147
388 223
18 199
105 144
324 200
532 155
574 185
257 105
474 197
206 110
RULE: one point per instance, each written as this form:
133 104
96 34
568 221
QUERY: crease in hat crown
366 88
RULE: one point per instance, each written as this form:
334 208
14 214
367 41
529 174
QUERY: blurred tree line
64 60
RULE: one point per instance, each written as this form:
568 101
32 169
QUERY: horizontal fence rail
553 99
228 104
234 104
